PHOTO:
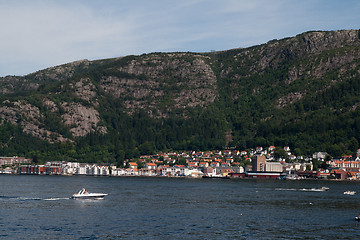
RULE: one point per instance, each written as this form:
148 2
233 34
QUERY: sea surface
39 207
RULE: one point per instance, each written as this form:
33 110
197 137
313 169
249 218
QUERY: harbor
257 163
176 208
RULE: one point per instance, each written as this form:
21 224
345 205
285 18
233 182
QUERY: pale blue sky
38 34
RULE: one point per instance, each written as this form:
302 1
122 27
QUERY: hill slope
301 91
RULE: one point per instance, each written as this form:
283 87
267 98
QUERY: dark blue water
38 207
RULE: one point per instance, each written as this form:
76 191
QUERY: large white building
273 167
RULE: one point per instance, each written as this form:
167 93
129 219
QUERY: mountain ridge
269 94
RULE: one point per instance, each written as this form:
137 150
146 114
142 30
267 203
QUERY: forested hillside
302 92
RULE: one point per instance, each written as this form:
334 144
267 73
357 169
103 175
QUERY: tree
279 152
353 144
35 159
297 152
146 148
140 164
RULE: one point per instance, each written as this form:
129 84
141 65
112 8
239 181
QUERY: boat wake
55 199
23 199
322 189
29 199
286 189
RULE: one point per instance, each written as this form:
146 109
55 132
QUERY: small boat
322 189
293 177
83 194
349 192
357 218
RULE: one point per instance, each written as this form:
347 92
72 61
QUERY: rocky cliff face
29 117
312 55
159 83
72 95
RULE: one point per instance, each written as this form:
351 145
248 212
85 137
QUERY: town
256 163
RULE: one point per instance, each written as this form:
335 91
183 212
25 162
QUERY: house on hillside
319 155
150 166
133 165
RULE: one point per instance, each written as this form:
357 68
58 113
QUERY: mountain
301 92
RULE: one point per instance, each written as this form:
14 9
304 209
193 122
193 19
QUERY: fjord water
38 207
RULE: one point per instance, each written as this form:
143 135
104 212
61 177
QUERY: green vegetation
319 111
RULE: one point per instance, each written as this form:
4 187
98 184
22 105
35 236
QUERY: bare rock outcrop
29 117
61 72
85 90
82 120
290 99
155 81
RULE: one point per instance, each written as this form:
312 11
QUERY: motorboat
83 194
349 192
293 177
322 189
357 218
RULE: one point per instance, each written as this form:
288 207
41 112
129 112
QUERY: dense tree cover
326 116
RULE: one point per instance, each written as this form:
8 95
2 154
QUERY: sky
38 34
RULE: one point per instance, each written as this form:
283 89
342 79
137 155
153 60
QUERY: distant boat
349 192
293 177
215 176
83 194
322 189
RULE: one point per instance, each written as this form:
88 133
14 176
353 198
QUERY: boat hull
89 196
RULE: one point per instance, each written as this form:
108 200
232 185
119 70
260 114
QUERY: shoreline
181 177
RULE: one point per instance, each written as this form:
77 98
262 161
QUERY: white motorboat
322 189
83 194
349 192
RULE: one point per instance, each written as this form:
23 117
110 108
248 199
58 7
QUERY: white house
320 155
103 171
118 172
195 173
81 170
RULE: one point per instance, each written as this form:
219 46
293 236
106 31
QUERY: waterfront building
258 164
210 172
69 168
40 170
81 170
195 173
273 167
13 160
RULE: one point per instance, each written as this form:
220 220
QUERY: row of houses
347 167
231 154
210 164
65 168
13 160
75 168
165 170
344 163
